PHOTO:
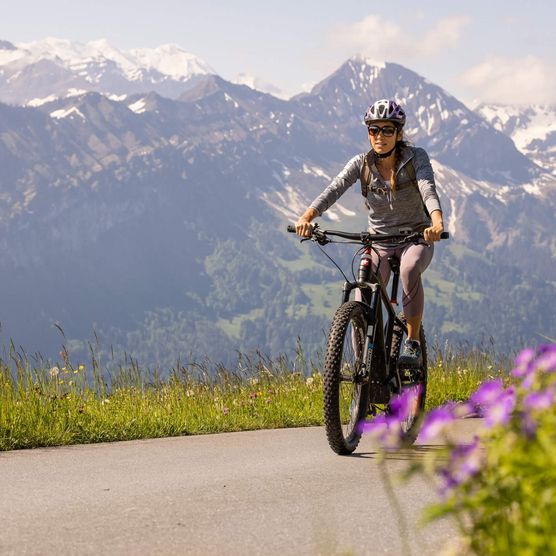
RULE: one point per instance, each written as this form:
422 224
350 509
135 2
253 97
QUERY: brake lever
320 237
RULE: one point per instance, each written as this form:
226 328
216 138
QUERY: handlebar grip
444 235
291 228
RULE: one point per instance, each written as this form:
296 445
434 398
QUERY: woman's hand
303 226
433 232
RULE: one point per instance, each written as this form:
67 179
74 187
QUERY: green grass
72 404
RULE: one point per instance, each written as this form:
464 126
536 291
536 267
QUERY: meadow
44 404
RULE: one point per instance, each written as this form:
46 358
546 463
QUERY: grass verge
74 404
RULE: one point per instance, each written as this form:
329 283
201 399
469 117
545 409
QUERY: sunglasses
387 131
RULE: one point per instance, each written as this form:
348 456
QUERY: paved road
260 492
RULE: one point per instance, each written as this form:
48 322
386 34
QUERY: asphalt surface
260 492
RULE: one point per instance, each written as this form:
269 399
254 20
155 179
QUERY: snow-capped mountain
51 67
532 129
161 220
259 84
437 121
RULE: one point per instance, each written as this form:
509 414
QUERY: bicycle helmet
385 110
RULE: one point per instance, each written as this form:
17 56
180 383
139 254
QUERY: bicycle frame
378 340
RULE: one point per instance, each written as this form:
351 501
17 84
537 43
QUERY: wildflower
253 395
54 371
309 381
403 405
436 422
225 410
189 393
538 400
268 400
470 460
385 429
525 367
254 381
547 358
465 462
523 361
500 411
488 393
105 401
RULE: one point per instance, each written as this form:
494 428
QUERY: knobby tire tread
331 379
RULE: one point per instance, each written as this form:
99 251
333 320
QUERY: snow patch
138 107
40 101
533 189
315 171
68 112
230 99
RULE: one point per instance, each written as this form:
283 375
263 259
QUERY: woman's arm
425 181
433 232
338 186
427 188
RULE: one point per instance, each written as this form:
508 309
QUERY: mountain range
144 205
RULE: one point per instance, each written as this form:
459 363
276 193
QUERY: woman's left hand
433 232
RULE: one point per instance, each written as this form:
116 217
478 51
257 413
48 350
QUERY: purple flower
539 400
435 422
523 362
500 411
403 405
384 429
374 428
465 462
547 361
488 393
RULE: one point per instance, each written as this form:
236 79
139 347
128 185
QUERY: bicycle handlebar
366 237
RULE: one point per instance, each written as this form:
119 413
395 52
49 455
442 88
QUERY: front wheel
346 388
412 382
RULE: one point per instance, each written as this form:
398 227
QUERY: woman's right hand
303 226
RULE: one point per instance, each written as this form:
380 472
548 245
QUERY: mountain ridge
170 214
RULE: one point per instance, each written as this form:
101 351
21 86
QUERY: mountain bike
361 373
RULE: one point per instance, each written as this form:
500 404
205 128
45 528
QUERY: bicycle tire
410 428
344 357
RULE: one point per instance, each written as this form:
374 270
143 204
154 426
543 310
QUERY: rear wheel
346 390
412 381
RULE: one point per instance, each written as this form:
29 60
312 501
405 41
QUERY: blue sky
487 50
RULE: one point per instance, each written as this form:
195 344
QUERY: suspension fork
394 263
375 350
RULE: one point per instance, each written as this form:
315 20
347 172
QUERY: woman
401 196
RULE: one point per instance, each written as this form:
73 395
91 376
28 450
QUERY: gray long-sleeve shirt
388 214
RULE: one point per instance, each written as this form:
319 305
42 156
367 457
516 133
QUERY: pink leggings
414 259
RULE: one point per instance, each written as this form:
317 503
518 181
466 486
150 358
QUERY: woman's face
380 138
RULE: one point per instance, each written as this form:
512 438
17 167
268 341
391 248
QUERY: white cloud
381 39
527 80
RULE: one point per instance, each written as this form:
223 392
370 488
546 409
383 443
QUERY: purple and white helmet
384 109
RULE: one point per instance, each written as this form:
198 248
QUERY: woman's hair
400 145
